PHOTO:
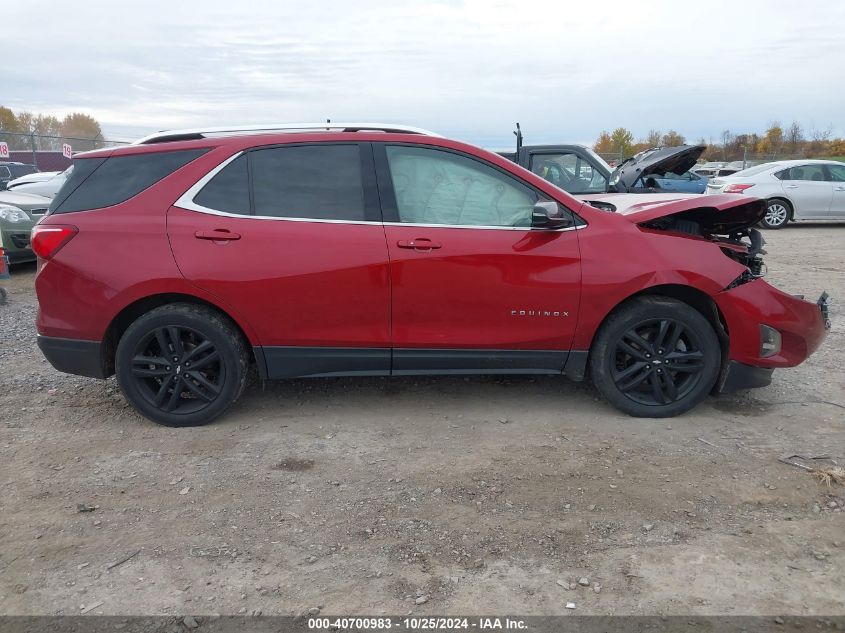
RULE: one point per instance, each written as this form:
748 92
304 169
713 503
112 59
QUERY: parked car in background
38 176
47 187
9 171
18 214
687 182
646 171
795 190
711 170
578 170
182 260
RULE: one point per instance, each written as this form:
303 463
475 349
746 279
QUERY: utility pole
32 145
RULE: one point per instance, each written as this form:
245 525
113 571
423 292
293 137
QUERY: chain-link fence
45 151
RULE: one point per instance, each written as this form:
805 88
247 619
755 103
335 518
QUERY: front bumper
73 356
739 376
16 244
802 324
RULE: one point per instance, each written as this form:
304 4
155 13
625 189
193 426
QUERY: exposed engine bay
744 245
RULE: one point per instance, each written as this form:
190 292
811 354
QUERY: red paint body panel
618 259
465 293
329 284
301 283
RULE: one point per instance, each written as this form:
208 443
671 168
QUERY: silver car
795 189
41 186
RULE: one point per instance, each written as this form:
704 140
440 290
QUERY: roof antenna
518 134
328 121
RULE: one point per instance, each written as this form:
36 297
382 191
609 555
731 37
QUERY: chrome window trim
186 201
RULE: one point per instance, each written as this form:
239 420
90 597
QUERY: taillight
736 188
48 239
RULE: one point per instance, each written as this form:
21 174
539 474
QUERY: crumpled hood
657 162
723 213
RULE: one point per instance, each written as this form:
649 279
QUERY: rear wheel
655 357
777 214
181 365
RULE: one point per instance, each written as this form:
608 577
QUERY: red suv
182 260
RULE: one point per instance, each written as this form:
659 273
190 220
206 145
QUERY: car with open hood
578 170
183 260
646 171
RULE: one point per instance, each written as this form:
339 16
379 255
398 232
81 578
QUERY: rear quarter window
95 183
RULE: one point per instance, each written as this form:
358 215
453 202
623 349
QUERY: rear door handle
419 244
217 235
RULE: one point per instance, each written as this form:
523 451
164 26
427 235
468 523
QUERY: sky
566 70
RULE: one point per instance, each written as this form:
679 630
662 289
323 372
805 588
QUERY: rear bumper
73 356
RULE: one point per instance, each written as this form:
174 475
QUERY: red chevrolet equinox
182 260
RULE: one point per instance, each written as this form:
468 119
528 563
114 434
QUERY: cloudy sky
467 69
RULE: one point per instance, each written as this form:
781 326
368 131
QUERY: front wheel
655 357
777 214
181 364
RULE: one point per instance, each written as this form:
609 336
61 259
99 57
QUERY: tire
644 379
206 359
778 213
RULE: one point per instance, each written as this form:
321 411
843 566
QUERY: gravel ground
456 495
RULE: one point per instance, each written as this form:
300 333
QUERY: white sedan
41 186
795 189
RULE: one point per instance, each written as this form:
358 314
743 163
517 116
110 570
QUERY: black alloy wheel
182 364
658 362
655 357
178 370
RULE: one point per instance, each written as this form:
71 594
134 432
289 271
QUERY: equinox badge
540 313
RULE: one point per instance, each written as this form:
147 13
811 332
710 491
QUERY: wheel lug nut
167 368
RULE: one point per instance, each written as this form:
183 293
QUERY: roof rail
196 133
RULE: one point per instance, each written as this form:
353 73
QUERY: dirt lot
464 496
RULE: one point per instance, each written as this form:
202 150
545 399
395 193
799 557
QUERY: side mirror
549 215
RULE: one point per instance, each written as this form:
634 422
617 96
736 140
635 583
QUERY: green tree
622 139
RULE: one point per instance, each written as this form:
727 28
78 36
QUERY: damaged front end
764 328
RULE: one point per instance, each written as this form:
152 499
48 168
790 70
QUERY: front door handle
217 235
840 189
792 186
419 244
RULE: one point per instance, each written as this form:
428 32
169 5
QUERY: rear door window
321 182
228 190
837 172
